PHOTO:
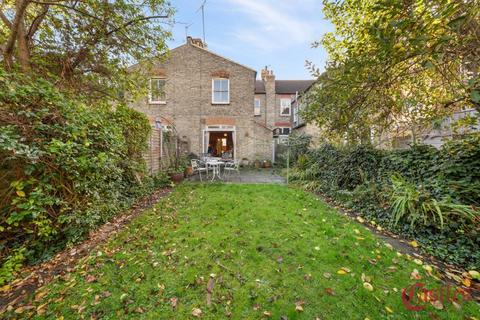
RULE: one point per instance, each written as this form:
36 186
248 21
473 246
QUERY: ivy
436 202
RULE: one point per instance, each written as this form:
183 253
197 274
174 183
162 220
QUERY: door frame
220 128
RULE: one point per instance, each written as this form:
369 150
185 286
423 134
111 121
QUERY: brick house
216 105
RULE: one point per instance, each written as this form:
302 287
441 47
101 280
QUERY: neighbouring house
299 125
216 105
434 135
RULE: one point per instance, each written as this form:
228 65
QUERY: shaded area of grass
269 250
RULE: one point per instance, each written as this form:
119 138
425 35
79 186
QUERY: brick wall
189 71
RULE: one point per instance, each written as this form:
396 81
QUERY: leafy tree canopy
82 45
396 63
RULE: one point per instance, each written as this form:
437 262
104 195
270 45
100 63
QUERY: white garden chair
232 167
196 166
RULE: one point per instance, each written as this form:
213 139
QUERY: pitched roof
292 86
259 86
285 86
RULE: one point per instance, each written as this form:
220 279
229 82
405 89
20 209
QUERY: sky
257 33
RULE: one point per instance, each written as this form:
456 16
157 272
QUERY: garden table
215 165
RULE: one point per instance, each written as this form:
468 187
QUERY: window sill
257 115
157 102
220 103
285 115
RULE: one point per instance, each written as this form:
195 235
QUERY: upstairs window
285 105
220 91
256 109
157 91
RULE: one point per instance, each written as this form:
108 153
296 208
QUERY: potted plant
188 168
267 164
177 169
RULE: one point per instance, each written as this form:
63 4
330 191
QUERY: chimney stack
196 42
268 79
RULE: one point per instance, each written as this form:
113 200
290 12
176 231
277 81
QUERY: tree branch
5 20
133 22
36 23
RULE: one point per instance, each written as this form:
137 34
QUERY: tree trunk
17 24
23 50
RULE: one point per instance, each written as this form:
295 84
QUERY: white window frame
289 108
257 109
150 101
282 134
213 91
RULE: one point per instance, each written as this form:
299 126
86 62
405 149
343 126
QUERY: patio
246 175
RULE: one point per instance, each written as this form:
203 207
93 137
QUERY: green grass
267 247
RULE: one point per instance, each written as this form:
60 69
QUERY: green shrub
415 204
433 197
65 167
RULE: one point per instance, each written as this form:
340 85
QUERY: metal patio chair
198 166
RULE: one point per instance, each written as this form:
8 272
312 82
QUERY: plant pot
257 164
188 171
267 164
176 177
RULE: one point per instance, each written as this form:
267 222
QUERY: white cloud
275 24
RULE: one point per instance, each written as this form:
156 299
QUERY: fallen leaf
196 312
389 310
474 274
139 310
267 314
343 270
418 261
6 288
368 286
428 268
389 246
41 308
360 219
299 305
20 193
327 275
466 282
366 278
90 278
437 304
330 291
19 310
414 244
40 295
415 275
174 302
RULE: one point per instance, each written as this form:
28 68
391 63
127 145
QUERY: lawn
244 252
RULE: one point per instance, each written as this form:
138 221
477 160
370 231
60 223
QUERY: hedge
65 167
362 178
